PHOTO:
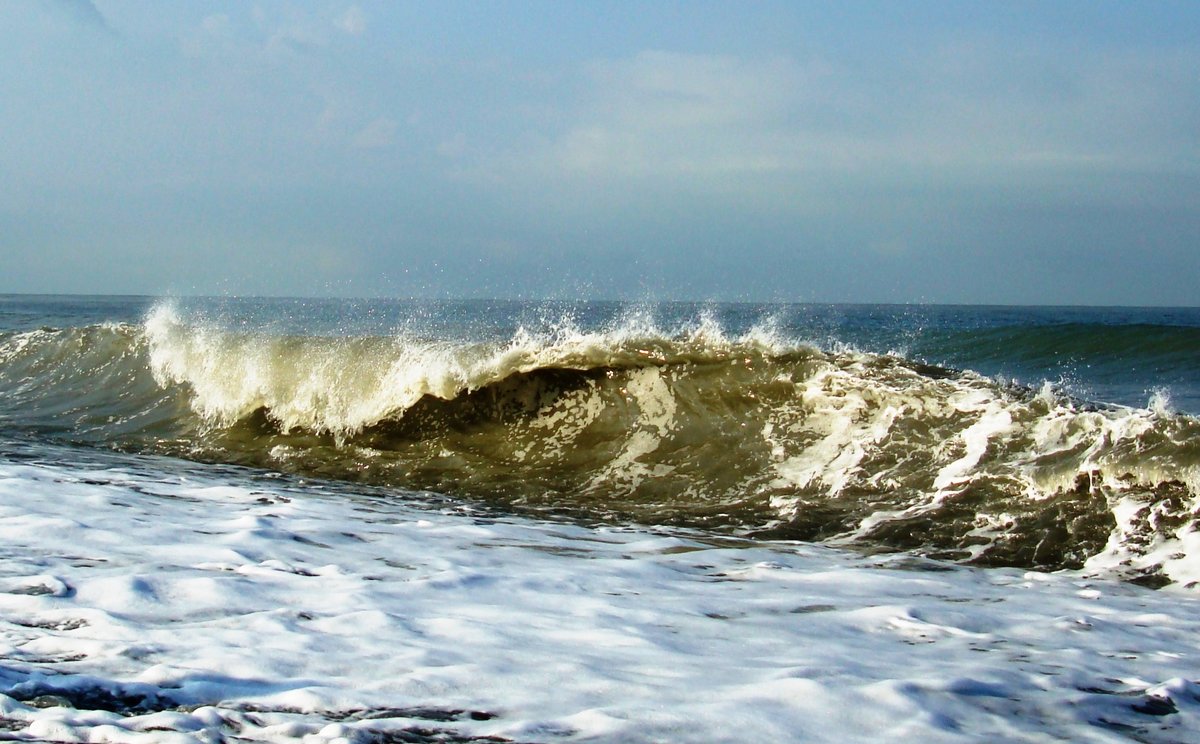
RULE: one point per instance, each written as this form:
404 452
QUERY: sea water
274 519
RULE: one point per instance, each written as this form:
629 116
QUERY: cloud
379 133
84 12
683 114
295 40
966 112
979 105
694 89
216 24
353 21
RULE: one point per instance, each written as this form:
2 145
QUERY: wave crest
343 385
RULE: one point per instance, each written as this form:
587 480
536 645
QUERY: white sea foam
656 414
177 605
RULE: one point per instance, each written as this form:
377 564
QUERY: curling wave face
754 433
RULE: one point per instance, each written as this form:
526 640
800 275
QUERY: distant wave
1117 346
754 433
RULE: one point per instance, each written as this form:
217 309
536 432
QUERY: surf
758 431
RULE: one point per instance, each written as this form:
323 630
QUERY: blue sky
1012 153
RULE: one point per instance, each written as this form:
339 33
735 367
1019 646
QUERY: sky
943 152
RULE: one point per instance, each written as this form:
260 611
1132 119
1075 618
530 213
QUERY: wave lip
343 385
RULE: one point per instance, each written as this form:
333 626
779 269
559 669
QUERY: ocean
366 520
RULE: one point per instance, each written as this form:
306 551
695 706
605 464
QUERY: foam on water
148 601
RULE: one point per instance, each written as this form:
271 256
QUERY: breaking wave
755 433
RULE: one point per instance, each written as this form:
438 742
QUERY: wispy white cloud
682 114
957 113
84 12
295 40
379 133
216 24
353 21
